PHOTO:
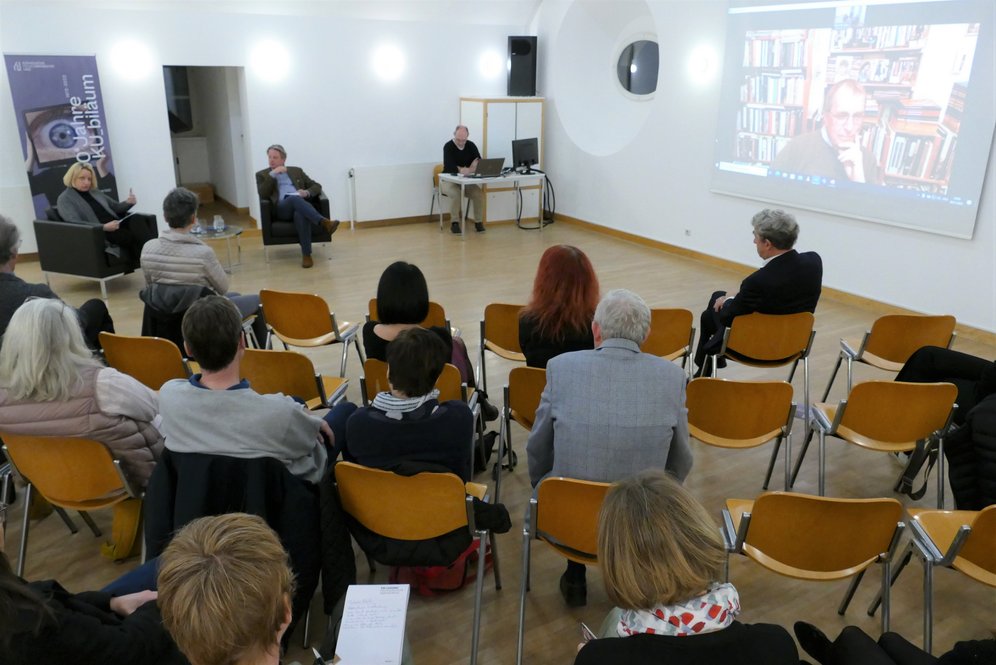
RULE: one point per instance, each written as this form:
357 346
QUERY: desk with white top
516 179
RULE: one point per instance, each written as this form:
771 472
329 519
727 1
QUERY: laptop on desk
489 168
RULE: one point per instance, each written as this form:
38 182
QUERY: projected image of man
835 150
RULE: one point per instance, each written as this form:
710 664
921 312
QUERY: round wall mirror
637 67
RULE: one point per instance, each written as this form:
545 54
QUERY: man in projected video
834 151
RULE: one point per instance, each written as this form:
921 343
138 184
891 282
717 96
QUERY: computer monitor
525 152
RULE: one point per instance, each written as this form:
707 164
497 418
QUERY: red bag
430 580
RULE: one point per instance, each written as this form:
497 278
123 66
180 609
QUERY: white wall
330 112
646 169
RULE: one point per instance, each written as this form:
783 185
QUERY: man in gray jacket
610 412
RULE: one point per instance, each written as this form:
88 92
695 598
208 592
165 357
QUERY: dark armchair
78 249
277 232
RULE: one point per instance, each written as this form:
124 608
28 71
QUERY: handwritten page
373 624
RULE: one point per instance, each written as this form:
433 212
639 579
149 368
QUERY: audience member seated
558 316
787 283
216 412
51 385
974 377
93 315
225 589
41 622
610 412
84 203
408 424
661 558
854 647
178 259
403 303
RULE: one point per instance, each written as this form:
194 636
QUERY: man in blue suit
609 412
787 283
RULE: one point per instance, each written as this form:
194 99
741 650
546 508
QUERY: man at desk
288 187
460 156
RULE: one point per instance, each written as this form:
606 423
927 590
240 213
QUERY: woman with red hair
558 316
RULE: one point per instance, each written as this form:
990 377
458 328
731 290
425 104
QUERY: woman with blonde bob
661 557
51 385
83 203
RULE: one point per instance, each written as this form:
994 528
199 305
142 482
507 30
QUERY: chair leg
895 575
307 629
494 557
522 595
25 520
771 464
928 604
342 360
90 523
886 594
67 520
833 375
851 588
940 473
823 462
478 594
802 455
850 374
359 351
807 418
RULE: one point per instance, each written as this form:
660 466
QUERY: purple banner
60 119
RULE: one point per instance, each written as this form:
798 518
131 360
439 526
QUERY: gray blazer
607 413
72 207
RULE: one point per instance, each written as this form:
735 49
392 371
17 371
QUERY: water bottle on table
219 223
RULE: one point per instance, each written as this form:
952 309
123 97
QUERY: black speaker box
522 66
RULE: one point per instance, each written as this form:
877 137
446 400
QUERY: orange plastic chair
671 334
151 360
305 320
435 317
293 374
742 414
817 538
564 515
888 416
75 474
416 508
500 335
522 397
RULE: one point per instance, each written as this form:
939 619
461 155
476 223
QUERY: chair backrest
435 317
450 384
287 372
419 507
302 317
151 360
436 170
894 337
525 386
670 333
69 472
770 338
738 414
567 516
374 378
815 537
980 548
896 411
500 328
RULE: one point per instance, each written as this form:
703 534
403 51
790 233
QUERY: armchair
78 249
278 232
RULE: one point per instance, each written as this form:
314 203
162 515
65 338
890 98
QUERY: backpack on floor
431 580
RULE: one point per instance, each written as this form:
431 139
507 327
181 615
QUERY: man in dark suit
787 283
289 187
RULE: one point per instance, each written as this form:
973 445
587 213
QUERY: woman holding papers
83 203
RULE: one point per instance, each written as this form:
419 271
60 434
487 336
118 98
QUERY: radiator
390 192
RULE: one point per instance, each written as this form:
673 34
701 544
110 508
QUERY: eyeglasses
844 117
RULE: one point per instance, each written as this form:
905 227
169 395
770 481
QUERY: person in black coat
41 623
661 553
787 283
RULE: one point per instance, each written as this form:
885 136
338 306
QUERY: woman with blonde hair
51 385
558 316
661 557
83 203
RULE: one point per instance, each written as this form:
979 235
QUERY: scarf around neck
712 611
395 407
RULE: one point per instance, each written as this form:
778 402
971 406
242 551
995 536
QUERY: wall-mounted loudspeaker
522 66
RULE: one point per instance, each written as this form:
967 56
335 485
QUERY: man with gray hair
290 189
93 314
609 412
787 283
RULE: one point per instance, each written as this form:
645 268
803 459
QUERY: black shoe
575 593
455 227
479 227
488 410
813 641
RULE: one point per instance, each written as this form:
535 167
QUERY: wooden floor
498 266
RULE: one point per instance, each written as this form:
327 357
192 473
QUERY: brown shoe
307 261
330 225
